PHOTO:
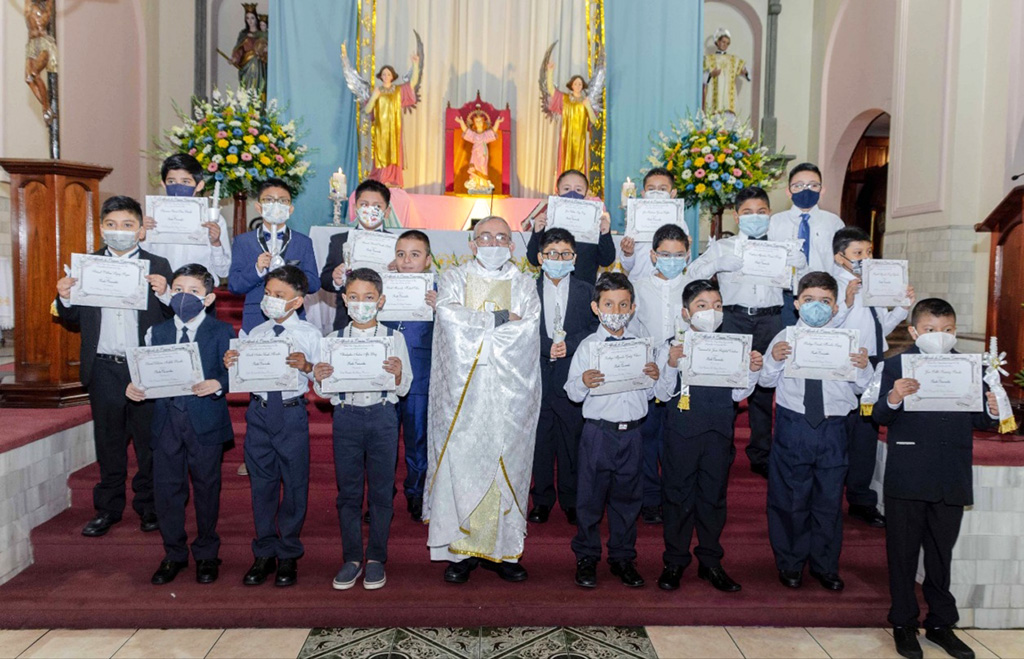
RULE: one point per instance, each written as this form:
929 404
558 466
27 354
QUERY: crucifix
40 58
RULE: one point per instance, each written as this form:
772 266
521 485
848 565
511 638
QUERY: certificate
405 296
622 364
358 364
371 249
822 353
580 217
764 263
178 220
262 365
165 371
717 360
105 281
949 383
645 216
885 283
485 294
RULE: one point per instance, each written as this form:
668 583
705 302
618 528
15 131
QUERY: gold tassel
1007 425
866 409
684 403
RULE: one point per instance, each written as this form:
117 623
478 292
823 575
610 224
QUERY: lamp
480 210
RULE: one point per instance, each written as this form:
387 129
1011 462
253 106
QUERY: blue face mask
815 314
572 195
557 269
180 190
806 198
671 267
186 306
754 225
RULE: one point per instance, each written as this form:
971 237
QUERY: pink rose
699 173
192 151
709 158
279 158
727 151
737 171
221 134
253 131
212 167
246 156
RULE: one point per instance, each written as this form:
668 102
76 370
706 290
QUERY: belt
617 426
749 311
117 359
291 402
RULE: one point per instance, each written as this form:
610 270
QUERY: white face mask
493 257
274 307
613 322
120 241
935 343
657 194
362 312
276 213
708 320
370 217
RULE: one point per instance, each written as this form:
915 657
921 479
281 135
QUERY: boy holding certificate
277 434
366 436
852 245
657 185
566 319
189 431
807 464
609 456
928 481
698 447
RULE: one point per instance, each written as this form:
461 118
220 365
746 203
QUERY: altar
450 212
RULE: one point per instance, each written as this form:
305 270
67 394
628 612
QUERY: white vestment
485 394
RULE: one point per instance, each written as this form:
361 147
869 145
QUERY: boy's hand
298 360
851 291
592 378
431 298
993 406
134 393
230 358
393 365
627 245
338 274
859 358
514 316
558 350
781 351
902 388
716 72
651 370
214 230
148 223
206 388
540 222
675 353
158 283
911 297
322 371
756 361
606 222
393 266
64 285
263 261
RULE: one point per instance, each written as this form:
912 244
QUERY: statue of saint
40 51
579 109
250 53
721 70
480 135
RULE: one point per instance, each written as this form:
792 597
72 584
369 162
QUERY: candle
628 190
339 185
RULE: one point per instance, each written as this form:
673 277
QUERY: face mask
935 343
180 190
493 257
857 267
671 267
815 314
362 312
613 322
708 320
276 213
186 306
806 198
370 217
557 269
754 225
274 307
571 195
657 194
120 241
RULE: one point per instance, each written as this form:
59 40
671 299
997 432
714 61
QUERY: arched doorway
866 182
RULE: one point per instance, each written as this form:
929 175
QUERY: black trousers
116 421
911 526
759 404
558 437
863 450
695 473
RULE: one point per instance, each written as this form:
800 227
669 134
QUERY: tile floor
503 643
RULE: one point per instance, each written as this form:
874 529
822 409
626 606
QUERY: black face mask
572 195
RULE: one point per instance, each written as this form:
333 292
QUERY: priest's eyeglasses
486 240
558 256
800 187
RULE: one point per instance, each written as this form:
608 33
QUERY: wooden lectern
1005 317
55 210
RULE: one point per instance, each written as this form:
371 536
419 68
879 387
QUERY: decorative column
769 125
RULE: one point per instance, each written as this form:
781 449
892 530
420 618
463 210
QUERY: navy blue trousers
806 471
863 450
608 475
789 312
177 456
653 440
279 479
413 412
365 451
558 436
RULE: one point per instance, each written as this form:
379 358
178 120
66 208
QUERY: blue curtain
654 77
304 74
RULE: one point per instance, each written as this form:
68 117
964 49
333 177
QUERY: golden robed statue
721 71
579 109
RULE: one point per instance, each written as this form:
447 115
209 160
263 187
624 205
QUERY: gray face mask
120 241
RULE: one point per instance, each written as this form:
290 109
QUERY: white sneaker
347 575
375 577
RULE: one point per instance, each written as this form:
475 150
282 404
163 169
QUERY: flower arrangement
712 161
239 140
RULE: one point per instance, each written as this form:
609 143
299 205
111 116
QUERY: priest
484 402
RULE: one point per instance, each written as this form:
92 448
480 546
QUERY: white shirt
305 339
668 384
617 408
859 316
192 325
638 266
786 226
712 262
368 398
215 259
659 307
556 297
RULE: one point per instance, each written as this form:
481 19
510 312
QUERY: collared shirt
192 325
711 262
859 316
368 398
639 265
659 307
556 300
215 259
668 385
786 226
617 408
305 339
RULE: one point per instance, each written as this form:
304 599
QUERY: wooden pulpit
1005 317
55 210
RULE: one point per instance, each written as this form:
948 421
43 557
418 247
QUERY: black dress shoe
100 524
829 580
287 572
415 507
149 523
651 514
586 572
906 642
511 572
167 571
570 515
947 640
670 576
261 568
539 514
760 469
626 571
459 572
867 514
791 579
717 577
207 570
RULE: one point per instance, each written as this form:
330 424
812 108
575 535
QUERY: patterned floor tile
463 643
521 643
609 642
348 642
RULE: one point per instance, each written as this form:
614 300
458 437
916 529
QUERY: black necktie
179 401
275 402
615 338
879 337
814 403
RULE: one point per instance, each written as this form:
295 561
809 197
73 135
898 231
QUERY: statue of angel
579 108
385 104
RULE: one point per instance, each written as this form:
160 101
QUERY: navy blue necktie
814 402
179 401
275 402
266 236
879 337
805 233
615 338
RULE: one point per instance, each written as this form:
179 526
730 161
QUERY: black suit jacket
87 319
579 323
588 255
929 453
335 257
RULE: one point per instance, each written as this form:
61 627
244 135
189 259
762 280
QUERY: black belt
617 426
749 311
112 358
291 402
